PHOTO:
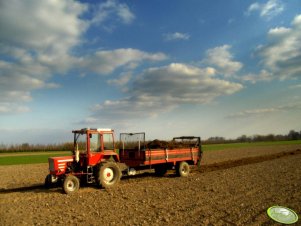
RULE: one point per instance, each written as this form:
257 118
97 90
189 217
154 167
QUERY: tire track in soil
22 189
203 169
245 161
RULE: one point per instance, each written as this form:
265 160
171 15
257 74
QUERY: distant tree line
292 135
68 146
26 147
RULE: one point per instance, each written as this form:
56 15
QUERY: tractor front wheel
109 175
50 181
71 184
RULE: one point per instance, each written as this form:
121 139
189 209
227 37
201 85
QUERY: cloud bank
162 89
35 46
37 41
282 54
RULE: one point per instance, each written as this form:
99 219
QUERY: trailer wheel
200 159
71 184
109 175
160 170
183 169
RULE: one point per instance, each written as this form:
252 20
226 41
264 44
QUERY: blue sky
169 68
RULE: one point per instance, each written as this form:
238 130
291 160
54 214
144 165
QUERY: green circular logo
282 214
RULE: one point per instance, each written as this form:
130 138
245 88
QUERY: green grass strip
26 159
215 147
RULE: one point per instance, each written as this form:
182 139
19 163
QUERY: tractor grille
51 164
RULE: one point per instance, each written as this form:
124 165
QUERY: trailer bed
136 158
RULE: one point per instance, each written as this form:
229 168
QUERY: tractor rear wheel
71 184
183 169
109 175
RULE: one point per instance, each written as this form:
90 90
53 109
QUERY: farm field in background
15 158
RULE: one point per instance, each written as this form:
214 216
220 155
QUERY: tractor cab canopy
85 130
188 141
88 140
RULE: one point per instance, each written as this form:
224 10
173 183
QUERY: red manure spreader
95 159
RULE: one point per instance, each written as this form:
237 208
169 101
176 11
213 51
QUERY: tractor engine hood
58 165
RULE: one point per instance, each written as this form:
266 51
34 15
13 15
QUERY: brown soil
233 187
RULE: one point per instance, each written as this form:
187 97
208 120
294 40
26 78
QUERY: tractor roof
84 130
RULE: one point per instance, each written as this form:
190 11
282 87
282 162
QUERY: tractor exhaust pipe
76 154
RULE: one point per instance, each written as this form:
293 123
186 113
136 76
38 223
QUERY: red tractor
95 160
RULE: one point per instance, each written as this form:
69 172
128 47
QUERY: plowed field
233 187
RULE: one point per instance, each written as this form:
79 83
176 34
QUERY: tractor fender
111 156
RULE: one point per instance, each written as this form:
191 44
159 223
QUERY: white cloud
162 89
231 21
34 25
110 10
16 81
8 108
282 55
176 36
106 61
253 113
131 107
253 78
122 80
253 7
125 14
265 111
298 86
181 83
221 58
267 10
